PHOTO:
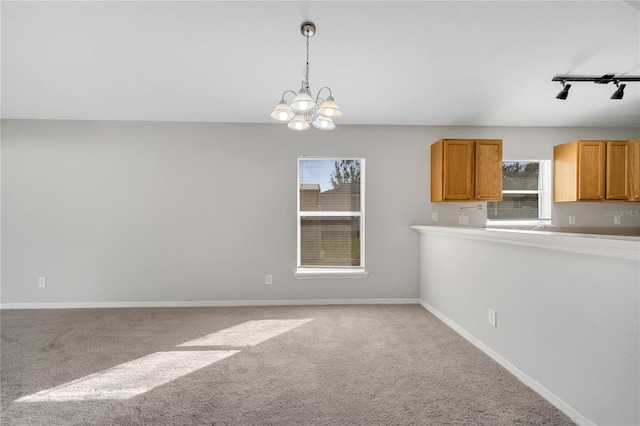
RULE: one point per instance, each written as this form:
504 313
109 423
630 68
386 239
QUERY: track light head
564 92
619 93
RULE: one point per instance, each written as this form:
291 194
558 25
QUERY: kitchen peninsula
567 317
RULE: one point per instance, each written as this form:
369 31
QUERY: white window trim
544 201
332 272
322 273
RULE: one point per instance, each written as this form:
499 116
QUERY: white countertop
617 246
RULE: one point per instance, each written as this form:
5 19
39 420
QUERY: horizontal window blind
330 213
523 189
330 241
514 206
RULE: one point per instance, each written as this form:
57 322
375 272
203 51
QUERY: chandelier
304 111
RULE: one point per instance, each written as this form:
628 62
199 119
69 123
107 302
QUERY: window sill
312 274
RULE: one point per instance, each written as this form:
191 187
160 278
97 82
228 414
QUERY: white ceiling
485 63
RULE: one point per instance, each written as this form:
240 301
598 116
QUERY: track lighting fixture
564 92
605 79
304 110
618 94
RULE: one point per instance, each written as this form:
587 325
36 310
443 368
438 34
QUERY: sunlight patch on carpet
247 334
132 378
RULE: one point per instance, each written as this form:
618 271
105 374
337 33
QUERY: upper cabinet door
591 166
458 169
634 170
488 173
565 172
617 182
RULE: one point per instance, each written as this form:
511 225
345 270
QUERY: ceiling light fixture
564 92
619 93
605 79
304 111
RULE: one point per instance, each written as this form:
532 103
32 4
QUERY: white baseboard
205 303
561 405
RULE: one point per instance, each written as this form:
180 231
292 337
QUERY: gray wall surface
149 211
569 321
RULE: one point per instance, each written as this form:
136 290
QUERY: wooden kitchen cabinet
634 170
466 170
617 168
591 171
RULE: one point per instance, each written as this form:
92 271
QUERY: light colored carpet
349 365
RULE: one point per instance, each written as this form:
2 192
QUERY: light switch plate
492 318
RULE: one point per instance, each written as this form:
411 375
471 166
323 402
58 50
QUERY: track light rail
604 79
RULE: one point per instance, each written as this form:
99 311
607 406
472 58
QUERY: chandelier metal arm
318 98
288 91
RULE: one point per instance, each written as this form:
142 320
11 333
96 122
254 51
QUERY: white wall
138 212
568 321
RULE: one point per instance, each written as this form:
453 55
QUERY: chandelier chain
306 75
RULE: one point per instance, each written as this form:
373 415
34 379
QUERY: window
330 217
526 193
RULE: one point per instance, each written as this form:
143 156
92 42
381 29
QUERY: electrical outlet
435 217
42 282
269 280
616 220
572 220
492 317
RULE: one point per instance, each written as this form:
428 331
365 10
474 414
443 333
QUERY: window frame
306 272
544 192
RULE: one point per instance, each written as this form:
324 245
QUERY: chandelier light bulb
329 108
282 112
303 106
323 123
299 123
303 102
